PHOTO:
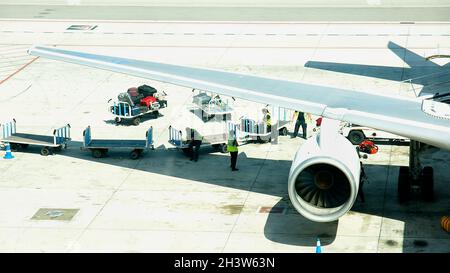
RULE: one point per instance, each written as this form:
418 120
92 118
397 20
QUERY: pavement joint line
246 198
114 191
384 198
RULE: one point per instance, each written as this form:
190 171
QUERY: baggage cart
181 140
100 147
251 129
49 144
126 109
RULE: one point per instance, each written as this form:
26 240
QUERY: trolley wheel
45 151
404 184
260 140
356 137
24 146
135 154
98 153
117 120
283 131
14 146
223 148
136 121
426 184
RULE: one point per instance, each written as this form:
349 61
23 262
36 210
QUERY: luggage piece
201 98
147 101
146 90
133 91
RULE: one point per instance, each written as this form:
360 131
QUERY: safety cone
8 154
318 248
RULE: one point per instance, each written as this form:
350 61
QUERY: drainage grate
81 27
54 214
281 210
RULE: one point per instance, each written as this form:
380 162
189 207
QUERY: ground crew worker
232 147
267 119
300 121
194 144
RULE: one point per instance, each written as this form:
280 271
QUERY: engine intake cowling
324 178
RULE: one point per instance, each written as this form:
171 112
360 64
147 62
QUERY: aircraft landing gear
415 177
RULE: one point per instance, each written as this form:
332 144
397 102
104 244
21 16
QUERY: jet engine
324 178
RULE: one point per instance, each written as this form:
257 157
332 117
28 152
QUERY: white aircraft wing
422 120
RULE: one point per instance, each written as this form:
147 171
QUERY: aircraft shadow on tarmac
434 78
284 224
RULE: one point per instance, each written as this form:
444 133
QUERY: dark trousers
233 159
297 126
194 147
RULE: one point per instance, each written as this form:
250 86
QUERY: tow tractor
137 102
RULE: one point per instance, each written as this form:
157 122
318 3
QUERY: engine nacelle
324 178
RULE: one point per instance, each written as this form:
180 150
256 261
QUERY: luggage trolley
128 109
48 143
210 106
100 147
180 140
250 128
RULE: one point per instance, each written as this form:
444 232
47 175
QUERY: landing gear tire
136 121
426 184
404 184
356 137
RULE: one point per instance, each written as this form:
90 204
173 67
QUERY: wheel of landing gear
426 184
404 184
356 137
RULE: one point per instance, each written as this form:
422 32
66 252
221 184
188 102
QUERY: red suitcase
133 91
147 101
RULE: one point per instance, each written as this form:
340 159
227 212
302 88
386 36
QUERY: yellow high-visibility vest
232 145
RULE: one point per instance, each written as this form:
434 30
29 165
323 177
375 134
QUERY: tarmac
163 202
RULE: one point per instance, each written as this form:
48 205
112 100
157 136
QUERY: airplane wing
425 121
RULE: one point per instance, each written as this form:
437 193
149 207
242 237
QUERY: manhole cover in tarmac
55 214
